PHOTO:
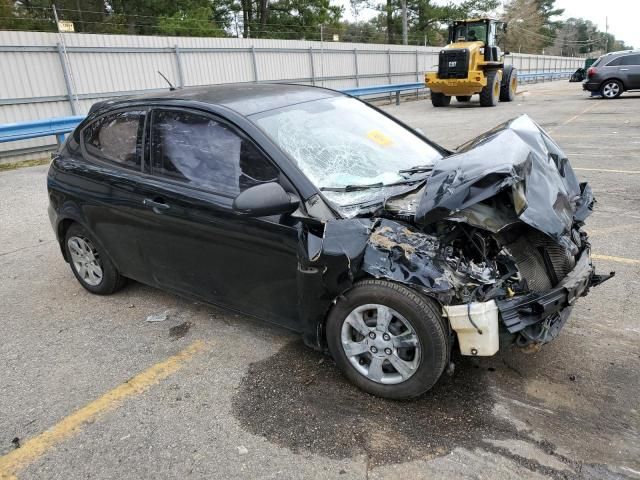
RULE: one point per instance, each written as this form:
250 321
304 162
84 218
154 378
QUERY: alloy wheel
381 344
611 90
86 261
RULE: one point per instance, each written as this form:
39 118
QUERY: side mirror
507 52
265 199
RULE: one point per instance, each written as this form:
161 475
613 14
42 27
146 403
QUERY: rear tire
440 99
89 263
611 89
463 98
413 339
490 93
509 84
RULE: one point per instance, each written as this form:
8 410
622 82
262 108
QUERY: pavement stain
180 330
298 399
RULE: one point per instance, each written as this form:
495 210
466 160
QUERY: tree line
533 25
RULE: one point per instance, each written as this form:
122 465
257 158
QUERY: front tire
490 93
440 99
388 340
509 84
611 89
90 265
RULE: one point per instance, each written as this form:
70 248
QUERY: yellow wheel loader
472 63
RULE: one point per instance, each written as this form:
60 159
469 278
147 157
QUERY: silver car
614 73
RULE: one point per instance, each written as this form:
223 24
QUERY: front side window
342 145
117 138
204 153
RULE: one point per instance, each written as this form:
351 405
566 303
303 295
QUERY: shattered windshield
351 152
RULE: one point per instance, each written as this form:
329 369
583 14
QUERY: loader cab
485 30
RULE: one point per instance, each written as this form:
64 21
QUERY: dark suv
614 73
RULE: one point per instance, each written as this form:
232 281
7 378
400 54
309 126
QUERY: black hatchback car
313 210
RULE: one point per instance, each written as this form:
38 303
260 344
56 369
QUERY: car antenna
171 87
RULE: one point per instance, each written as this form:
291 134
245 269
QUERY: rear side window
202 152
597 62
630 60
117 138
614 62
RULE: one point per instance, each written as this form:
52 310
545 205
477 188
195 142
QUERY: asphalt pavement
90 389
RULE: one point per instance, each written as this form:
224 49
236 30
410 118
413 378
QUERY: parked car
614 73
313 210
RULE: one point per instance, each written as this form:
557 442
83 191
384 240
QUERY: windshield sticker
380 138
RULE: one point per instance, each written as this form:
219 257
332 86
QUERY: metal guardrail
377 89
58 127
543 75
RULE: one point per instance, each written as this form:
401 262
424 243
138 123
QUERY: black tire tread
486 94
505 87
440 99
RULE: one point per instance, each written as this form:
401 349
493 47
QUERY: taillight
591 72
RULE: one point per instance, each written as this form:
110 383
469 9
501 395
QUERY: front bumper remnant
473 84
518 313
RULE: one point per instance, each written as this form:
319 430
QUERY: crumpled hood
519 156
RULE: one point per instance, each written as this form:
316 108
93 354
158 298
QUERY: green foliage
533 24
577 36
197 22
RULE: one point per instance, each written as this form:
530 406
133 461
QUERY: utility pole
65 59
405 36
606 34
322 54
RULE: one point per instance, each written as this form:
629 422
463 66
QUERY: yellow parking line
606 170
630 261
15 460
589 108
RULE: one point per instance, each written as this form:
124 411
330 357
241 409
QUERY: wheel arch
65 223
63 227
624 87
322 330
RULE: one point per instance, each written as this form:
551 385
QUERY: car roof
244 98
621 52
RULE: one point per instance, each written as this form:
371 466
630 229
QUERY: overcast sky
624 15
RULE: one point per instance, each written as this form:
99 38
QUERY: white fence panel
40 81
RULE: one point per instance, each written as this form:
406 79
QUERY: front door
198 245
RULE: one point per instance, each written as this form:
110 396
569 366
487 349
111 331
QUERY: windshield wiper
352 188
355 188
417 169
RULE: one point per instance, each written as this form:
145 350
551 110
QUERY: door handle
624 69
157 205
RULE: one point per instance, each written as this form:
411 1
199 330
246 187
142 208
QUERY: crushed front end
502 225
494 234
